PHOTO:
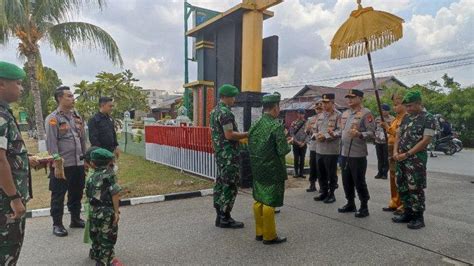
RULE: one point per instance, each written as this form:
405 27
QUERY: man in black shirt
102 129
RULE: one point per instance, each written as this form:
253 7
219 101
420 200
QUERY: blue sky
150 36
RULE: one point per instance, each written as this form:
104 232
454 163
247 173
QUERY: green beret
11 71
271 98
228 90
87 155
412 96
101 155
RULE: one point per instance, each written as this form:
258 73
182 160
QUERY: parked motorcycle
457 142
446 145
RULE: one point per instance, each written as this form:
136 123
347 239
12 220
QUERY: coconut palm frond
60 10
15 12
63 35
61 45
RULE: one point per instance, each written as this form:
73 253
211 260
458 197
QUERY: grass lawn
137 176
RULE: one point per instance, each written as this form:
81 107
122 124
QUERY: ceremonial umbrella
365 31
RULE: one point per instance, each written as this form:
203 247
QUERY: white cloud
449 31
151 66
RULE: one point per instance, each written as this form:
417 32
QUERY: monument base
247 109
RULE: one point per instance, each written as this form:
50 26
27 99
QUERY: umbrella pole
377 97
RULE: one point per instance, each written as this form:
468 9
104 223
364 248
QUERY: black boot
218 217
58 228
417 221
312 187
277 240
349 207
76 221
405 217
233 223
363 211
322 196
226 221
331 198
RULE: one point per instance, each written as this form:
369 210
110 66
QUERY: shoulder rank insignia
53 121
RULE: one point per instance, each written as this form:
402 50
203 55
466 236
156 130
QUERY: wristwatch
408 154
14 197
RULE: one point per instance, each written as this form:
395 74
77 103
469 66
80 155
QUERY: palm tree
32 21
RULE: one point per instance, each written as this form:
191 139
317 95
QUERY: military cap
271 98
228 90
385 107
101 154
87 155
412 96
11 71
328 97
354 93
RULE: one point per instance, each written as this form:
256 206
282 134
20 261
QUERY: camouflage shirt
17 155
222 119
413 128
101 186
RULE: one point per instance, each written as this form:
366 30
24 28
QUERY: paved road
181 232
461 163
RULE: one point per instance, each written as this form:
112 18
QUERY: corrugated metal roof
296 105
366 84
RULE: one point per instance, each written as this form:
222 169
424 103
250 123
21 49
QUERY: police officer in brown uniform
327 134
357 125
310 127
65 137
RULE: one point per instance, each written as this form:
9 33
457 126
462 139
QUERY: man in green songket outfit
268 146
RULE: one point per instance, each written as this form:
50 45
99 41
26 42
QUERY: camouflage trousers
411 182
12 233
225 188
103 234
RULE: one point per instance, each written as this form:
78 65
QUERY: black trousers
353 175
313 170
327 172
299 153
382 159
73 185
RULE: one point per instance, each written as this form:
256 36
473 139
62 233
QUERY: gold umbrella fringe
375 42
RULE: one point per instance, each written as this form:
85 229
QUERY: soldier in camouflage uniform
102 193
225 140
15 187
413 137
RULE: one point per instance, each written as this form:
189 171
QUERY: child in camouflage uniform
102 192
89 171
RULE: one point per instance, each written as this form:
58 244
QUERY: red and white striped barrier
186 148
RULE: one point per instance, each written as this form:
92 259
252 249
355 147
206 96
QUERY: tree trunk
31 63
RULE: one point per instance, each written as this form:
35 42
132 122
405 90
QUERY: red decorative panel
210 103
191 138
200 105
